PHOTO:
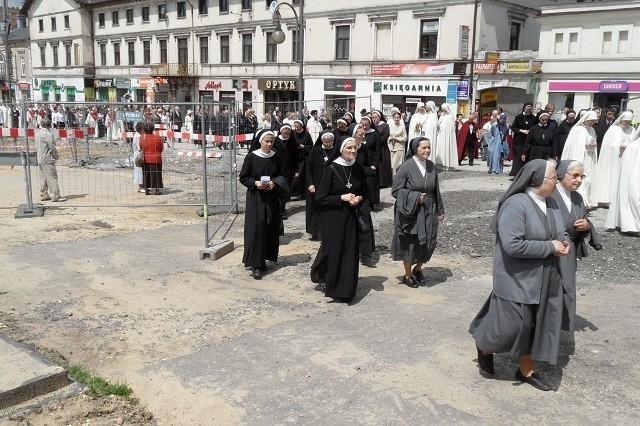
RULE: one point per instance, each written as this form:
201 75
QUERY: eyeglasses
554 178
577 175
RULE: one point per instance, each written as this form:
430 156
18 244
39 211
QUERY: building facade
354 57
591 55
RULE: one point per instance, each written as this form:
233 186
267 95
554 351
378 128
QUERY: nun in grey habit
523 314
417 211
578 228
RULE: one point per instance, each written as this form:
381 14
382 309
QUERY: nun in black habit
417 211
262 175
373 144
341 191
520 127
523 314
315 162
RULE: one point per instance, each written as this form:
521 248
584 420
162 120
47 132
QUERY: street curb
28 374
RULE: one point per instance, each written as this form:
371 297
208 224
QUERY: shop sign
463 89
140 71
24 86
413 100
422 88
412 69
102 83
459 68
464 42
485 68
132 116
487 84
212 85
123 83
613 86
452 91
492 57
488 96
281 85
517 67
339 85
48 83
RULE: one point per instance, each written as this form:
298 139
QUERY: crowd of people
541 224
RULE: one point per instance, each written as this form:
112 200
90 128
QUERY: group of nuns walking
540 229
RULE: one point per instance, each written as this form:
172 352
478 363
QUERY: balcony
175 70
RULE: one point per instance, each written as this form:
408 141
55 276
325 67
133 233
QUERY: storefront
406 94
505 84
339 97
280 93
59 89
105 90
582 94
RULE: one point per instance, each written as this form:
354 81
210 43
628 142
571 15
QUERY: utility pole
7 61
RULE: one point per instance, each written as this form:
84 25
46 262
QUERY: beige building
385 54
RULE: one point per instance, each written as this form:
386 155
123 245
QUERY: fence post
28 210
205 187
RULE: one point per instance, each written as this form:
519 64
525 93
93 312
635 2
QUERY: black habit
262 219
314 165
522 121
337 261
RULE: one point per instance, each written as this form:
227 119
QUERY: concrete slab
25 374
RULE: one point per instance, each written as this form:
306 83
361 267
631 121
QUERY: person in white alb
431 128
581 145
418 121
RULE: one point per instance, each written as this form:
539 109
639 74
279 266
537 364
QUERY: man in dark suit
603 124
176 119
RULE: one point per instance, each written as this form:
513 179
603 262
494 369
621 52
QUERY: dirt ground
122 291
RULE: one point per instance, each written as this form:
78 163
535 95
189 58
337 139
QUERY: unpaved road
122 291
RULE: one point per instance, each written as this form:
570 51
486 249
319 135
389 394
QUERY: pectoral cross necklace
349 184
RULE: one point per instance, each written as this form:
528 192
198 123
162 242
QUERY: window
383 41
43 56
101 19
67 54
514 36
204 50
223 6
606 42
145 14
116 53
162 12
76 54
247 45
294 46
129 16
67 25
246 4
23 67
182 9
54 47
272 49
429 38
163 51
203 7
342 41
115 18
146 49
41 25
623 41
573 43
103 54
557 47
54 25
183 51
224 49
131 48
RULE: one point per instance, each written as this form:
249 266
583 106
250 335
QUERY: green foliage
97 385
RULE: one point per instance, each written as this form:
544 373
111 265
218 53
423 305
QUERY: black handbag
362 222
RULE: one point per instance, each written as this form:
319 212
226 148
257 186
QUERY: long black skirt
152 176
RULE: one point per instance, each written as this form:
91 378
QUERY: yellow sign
492 57
517 67
488 96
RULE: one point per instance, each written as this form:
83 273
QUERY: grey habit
523 314
415 230
569 263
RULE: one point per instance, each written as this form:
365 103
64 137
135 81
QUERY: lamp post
278 36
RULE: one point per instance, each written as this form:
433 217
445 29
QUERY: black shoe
256 273
485 362
410 282
419 276
263 268
533 380
321 286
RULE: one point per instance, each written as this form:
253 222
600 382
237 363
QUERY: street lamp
278 36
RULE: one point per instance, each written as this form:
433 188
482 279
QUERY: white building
61 50
591 55
387 53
